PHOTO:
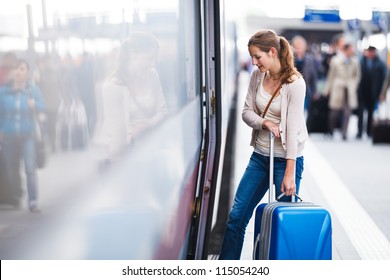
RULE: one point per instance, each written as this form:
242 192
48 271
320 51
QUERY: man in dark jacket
373 72
306 65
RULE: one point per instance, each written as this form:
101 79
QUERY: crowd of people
58 96
352 83
32 95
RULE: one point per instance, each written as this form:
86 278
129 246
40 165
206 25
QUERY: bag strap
269 102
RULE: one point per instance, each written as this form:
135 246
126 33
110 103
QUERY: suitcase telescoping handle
271 190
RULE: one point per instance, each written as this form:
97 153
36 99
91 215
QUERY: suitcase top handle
283 194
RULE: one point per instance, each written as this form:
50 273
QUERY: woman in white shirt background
132 95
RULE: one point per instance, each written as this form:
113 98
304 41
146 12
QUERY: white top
130 109
273 114
293 131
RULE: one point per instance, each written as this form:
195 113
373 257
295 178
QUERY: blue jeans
22 148
253 186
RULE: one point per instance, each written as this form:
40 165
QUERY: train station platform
349 178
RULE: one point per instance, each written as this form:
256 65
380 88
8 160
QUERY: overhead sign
380 19
313 15
354 24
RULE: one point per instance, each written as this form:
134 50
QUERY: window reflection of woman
132 96
19 101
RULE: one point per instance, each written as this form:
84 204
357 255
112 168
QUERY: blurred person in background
47 78
386 87
8 195
341 87
307 66
373 72
336 45
133 99
19 101
8 64
85 84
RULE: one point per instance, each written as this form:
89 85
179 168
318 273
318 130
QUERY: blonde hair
267 39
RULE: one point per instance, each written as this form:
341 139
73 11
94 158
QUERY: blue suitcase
291 230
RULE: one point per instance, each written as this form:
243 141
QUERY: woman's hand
288 183
274 128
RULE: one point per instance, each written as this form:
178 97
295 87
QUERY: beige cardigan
341 76
292 127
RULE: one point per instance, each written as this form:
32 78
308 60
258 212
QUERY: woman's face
141 61
21 73
263 60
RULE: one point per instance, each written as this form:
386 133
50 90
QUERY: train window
116 87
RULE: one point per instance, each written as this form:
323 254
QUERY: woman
19 101
132 96
273 57
341 86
